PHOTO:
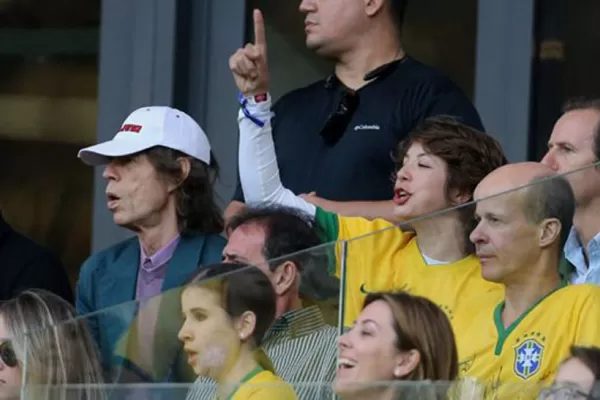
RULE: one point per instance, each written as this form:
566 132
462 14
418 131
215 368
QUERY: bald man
524 215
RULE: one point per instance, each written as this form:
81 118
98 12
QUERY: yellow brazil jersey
513 361
381 257
263 384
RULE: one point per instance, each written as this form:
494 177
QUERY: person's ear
372 7
284 277
406 363
185 167
549 232
245 325
459 198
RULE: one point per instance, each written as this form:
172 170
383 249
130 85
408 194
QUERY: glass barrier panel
444 277
426 390
301 343
202 333
497 272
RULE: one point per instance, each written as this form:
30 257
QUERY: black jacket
26 265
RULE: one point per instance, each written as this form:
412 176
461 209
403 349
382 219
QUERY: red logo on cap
131 128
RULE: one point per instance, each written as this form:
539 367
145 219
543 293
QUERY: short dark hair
551 196
398 10
469 154
587 103
197 210
241 288
288 232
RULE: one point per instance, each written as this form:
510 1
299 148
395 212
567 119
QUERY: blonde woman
227 309
43 348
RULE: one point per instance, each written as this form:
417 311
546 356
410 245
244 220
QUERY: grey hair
54 349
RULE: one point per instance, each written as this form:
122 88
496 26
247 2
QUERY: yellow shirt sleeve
362 233
336 227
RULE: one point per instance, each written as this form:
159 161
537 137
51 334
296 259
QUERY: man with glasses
334 137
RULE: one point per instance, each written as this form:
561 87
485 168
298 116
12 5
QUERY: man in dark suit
26 265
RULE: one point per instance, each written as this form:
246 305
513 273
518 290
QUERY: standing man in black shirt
336 137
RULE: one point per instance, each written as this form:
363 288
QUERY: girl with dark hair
227 309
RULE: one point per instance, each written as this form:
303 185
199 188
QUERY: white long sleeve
259 173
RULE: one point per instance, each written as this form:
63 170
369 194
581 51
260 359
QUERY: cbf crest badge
528 357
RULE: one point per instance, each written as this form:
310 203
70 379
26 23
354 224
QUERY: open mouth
191 356
345 364
111 200
401 196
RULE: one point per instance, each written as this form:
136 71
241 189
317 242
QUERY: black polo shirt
360 165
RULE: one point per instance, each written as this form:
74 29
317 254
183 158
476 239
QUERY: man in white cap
159 171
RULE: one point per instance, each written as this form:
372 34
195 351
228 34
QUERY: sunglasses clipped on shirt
7 354
337 122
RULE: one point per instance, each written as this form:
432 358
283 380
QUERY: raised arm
259 173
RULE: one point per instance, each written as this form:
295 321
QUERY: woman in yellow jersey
578 376
397 337
439 166
227 309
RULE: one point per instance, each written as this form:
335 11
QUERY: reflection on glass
39 353
228 309
564 392
301 342
554 329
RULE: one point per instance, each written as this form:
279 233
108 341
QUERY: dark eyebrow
235 258
193 310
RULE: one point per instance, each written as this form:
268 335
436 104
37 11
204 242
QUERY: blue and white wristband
244 105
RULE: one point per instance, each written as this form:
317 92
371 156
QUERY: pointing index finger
259 29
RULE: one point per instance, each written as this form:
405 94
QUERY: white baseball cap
148 127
